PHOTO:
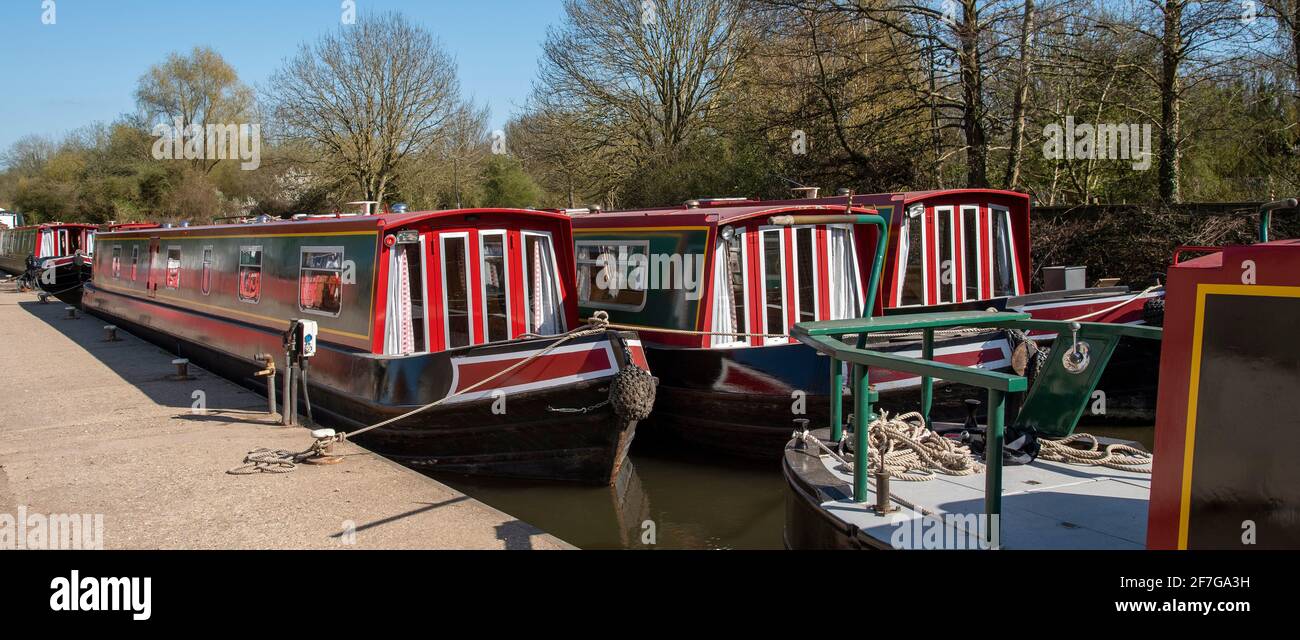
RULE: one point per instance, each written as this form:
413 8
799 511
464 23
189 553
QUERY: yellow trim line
1194 381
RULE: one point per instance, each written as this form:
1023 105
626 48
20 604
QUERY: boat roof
727 210
350 221
57 225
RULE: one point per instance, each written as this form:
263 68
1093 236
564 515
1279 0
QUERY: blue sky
84 68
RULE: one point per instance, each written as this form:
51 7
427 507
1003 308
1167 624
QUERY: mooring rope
279 461
1115 306
915 453
1115 456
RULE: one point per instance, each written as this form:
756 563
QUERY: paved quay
95 427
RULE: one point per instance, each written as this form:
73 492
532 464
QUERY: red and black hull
510 426
744 401
62 277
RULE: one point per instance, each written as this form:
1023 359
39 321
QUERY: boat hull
744 401
509 426
62 277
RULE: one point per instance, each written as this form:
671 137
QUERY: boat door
151 279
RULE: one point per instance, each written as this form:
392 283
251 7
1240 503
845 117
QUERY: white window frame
482 281
904 255
298 286
817 268
938 255
722 279
762 270
469 304
555 273
994 212
612 306
239 265
424 293
860 269
979 250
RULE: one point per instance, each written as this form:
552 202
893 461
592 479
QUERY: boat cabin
721 266
43 241
395 284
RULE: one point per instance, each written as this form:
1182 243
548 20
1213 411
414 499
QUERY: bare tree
365 98
651 71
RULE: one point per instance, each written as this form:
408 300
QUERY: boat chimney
843 191
593 208
692 204
806 192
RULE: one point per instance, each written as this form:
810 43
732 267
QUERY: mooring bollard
72 312
43 298
182 368
883 504
110 333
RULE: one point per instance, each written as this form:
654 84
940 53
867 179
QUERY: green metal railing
1266 215
1052 408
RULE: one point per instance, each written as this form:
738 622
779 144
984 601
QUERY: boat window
206 280
1005 279
455 282
805 273
542 297
496 303
320 280
970 238
612 275
117 261
846 292
912 290
944 239
730 315
135 261
173 268
250 274
773 283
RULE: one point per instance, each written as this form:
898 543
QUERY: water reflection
661 500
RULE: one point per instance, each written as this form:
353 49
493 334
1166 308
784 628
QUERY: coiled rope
912 452
1115 456
264 460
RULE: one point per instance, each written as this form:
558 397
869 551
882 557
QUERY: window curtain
724 307
399 332
545 313
844 280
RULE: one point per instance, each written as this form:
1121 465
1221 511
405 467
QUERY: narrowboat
64 276
713 287
411 309
21 247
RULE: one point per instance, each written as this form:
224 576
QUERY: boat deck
1045 505
95 427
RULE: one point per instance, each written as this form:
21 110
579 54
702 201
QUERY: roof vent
185 223
593 208
692 204
806 192
843 191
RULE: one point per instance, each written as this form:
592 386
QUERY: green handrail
826 337
1266 215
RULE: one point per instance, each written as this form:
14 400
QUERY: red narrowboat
713 287
411 309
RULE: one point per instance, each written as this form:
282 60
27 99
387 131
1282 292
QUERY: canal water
667 498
